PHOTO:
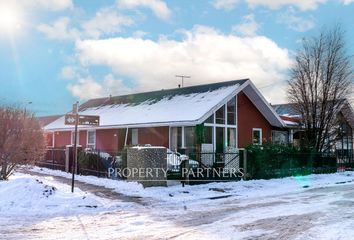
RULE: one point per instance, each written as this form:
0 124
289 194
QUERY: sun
10 18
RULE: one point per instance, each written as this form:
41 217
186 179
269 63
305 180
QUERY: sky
56 52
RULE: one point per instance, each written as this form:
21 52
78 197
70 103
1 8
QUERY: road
321 213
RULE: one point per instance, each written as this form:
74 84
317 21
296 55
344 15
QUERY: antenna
183 77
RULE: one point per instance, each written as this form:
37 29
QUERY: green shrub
89 162
274 160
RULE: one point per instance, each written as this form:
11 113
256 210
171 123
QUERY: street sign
70 119
89 120
76 119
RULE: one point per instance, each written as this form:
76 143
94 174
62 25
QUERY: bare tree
21 139
321 80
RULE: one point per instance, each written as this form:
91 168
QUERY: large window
231 137
220 129
220 115
257 136
231 112
91 139
208 135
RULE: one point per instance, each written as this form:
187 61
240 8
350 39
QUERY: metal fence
54 159
97 162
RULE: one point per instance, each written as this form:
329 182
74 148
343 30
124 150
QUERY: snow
311 207
241 189
27 195
179 108
287 122
304 207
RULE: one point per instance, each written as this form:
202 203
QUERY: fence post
244 164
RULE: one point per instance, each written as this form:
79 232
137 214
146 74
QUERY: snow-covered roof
165 107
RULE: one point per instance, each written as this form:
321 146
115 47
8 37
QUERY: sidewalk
99 191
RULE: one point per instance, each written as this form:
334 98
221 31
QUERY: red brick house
211 117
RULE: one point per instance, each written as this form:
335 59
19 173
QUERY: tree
21 139
321 80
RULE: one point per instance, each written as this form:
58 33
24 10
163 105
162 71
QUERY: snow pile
26 195
239 190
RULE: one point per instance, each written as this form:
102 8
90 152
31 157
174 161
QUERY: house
345 126
217 117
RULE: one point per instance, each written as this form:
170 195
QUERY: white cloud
59 30
248 26
87 88
106 22
274 4
347 2
204 53
225 4
295 22
67 72
159 7
52 5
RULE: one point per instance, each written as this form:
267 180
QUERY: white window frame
77 137
87 139
260 136
214 125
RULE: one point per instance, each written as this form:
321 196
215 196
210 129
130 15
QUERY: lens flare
10 18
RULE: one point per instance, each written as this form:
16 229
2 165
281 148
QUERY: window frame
260 136
77 138
87 139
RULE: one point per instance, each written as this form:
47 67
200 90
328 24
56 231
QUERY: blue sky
55 52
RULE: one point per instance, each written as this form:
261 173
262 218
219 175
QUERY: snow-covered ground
311 207
242 189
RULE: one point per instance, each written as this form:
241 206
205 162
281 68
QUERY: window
220 139
257 136
176 138
73 138
231 137
135 137
210 119
231 112
280 137
208 135
91 139
220 115
189 137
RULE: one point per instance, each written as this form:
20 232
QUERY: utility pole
183 77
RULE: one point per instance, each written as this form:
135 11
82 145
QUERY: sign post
76 119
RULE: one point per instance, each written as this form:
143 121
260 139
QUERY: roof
45 120
179 106
288 110
155 96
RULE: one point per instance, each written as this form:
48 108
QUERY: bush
274 160
91 162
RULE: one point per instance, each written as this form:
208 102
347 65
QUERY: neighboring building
44 121
218 117
345 128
